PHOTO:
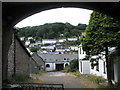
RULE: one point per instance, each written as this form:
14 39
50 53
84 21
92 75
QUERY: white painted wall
117 70
66 63
51 68
101 69
49 41
84 67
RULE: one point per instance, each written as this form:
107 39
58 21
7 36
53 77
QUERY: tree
101 33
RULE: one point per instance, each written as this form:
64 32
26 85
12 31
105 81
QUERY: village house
50 47
100 69
72 39
61 40
27 43
40 62
30 38
75 48
49 41
22 38
84 64
57 61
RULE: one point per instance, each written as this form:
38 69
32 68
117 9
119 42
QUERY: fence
38 86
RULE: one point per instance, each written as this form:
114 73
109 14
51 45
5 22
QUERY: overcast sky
73 16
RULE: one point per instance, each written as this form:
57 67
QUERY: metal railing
38 86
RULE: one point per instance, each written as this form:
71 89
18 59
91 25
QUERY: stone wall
39 61
22 59
33 66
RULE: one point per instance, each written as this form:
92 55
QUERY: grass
98 80
19 79
41 73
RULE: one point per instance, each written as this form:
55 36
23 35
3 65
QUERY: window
104 65
80 50
64 58
66 64
47 65
81 66
97 66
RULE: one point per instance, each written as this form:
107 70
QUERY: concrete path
69 81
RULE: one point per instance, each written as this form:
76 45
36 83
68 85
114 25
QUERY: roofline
23 46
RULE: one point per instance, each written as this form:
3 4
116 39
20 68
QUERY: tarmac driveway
69 81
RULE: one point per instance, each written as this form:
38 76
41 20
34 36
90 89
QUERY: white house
83 33
48 47
100 69
73 48
22 38
61 40
30 38
27 43
72 39
84 64
49 41
57 61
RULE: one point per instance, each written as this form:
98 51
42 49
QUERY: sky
73 16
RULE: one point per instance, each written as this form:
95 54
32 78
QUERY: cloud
73 16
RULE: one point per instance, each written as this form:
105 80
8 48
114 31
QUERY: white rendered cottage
84 65
57 61
100 69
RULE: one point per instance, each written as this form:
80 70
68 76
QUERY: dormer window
64 58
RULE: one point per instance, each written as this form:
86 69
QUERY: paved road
69 81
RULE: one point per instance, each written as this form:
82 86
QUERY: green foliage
19 79
52 30
33 49
41 73
100 32
73 67
93 78
32 41
96 79
66 69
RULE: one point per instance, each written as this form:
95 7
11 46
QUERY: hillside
52 31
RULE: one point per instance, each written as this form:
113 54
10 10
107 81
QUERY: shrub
19 79
96 79
73 65
66 69
33 49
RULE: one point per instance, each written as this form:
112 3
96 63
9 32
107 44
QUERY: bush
73 65
66 69
33 49
41 73
19 79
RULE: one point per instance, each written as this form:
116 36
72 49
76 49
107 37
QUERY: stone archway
15 12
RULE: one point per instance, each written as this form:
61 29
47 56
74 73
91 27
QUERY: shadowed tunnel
14 12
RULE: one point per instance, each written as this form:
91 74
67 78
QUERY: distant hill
52 30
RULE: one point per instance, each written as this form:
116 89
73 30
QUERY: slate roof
58 57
